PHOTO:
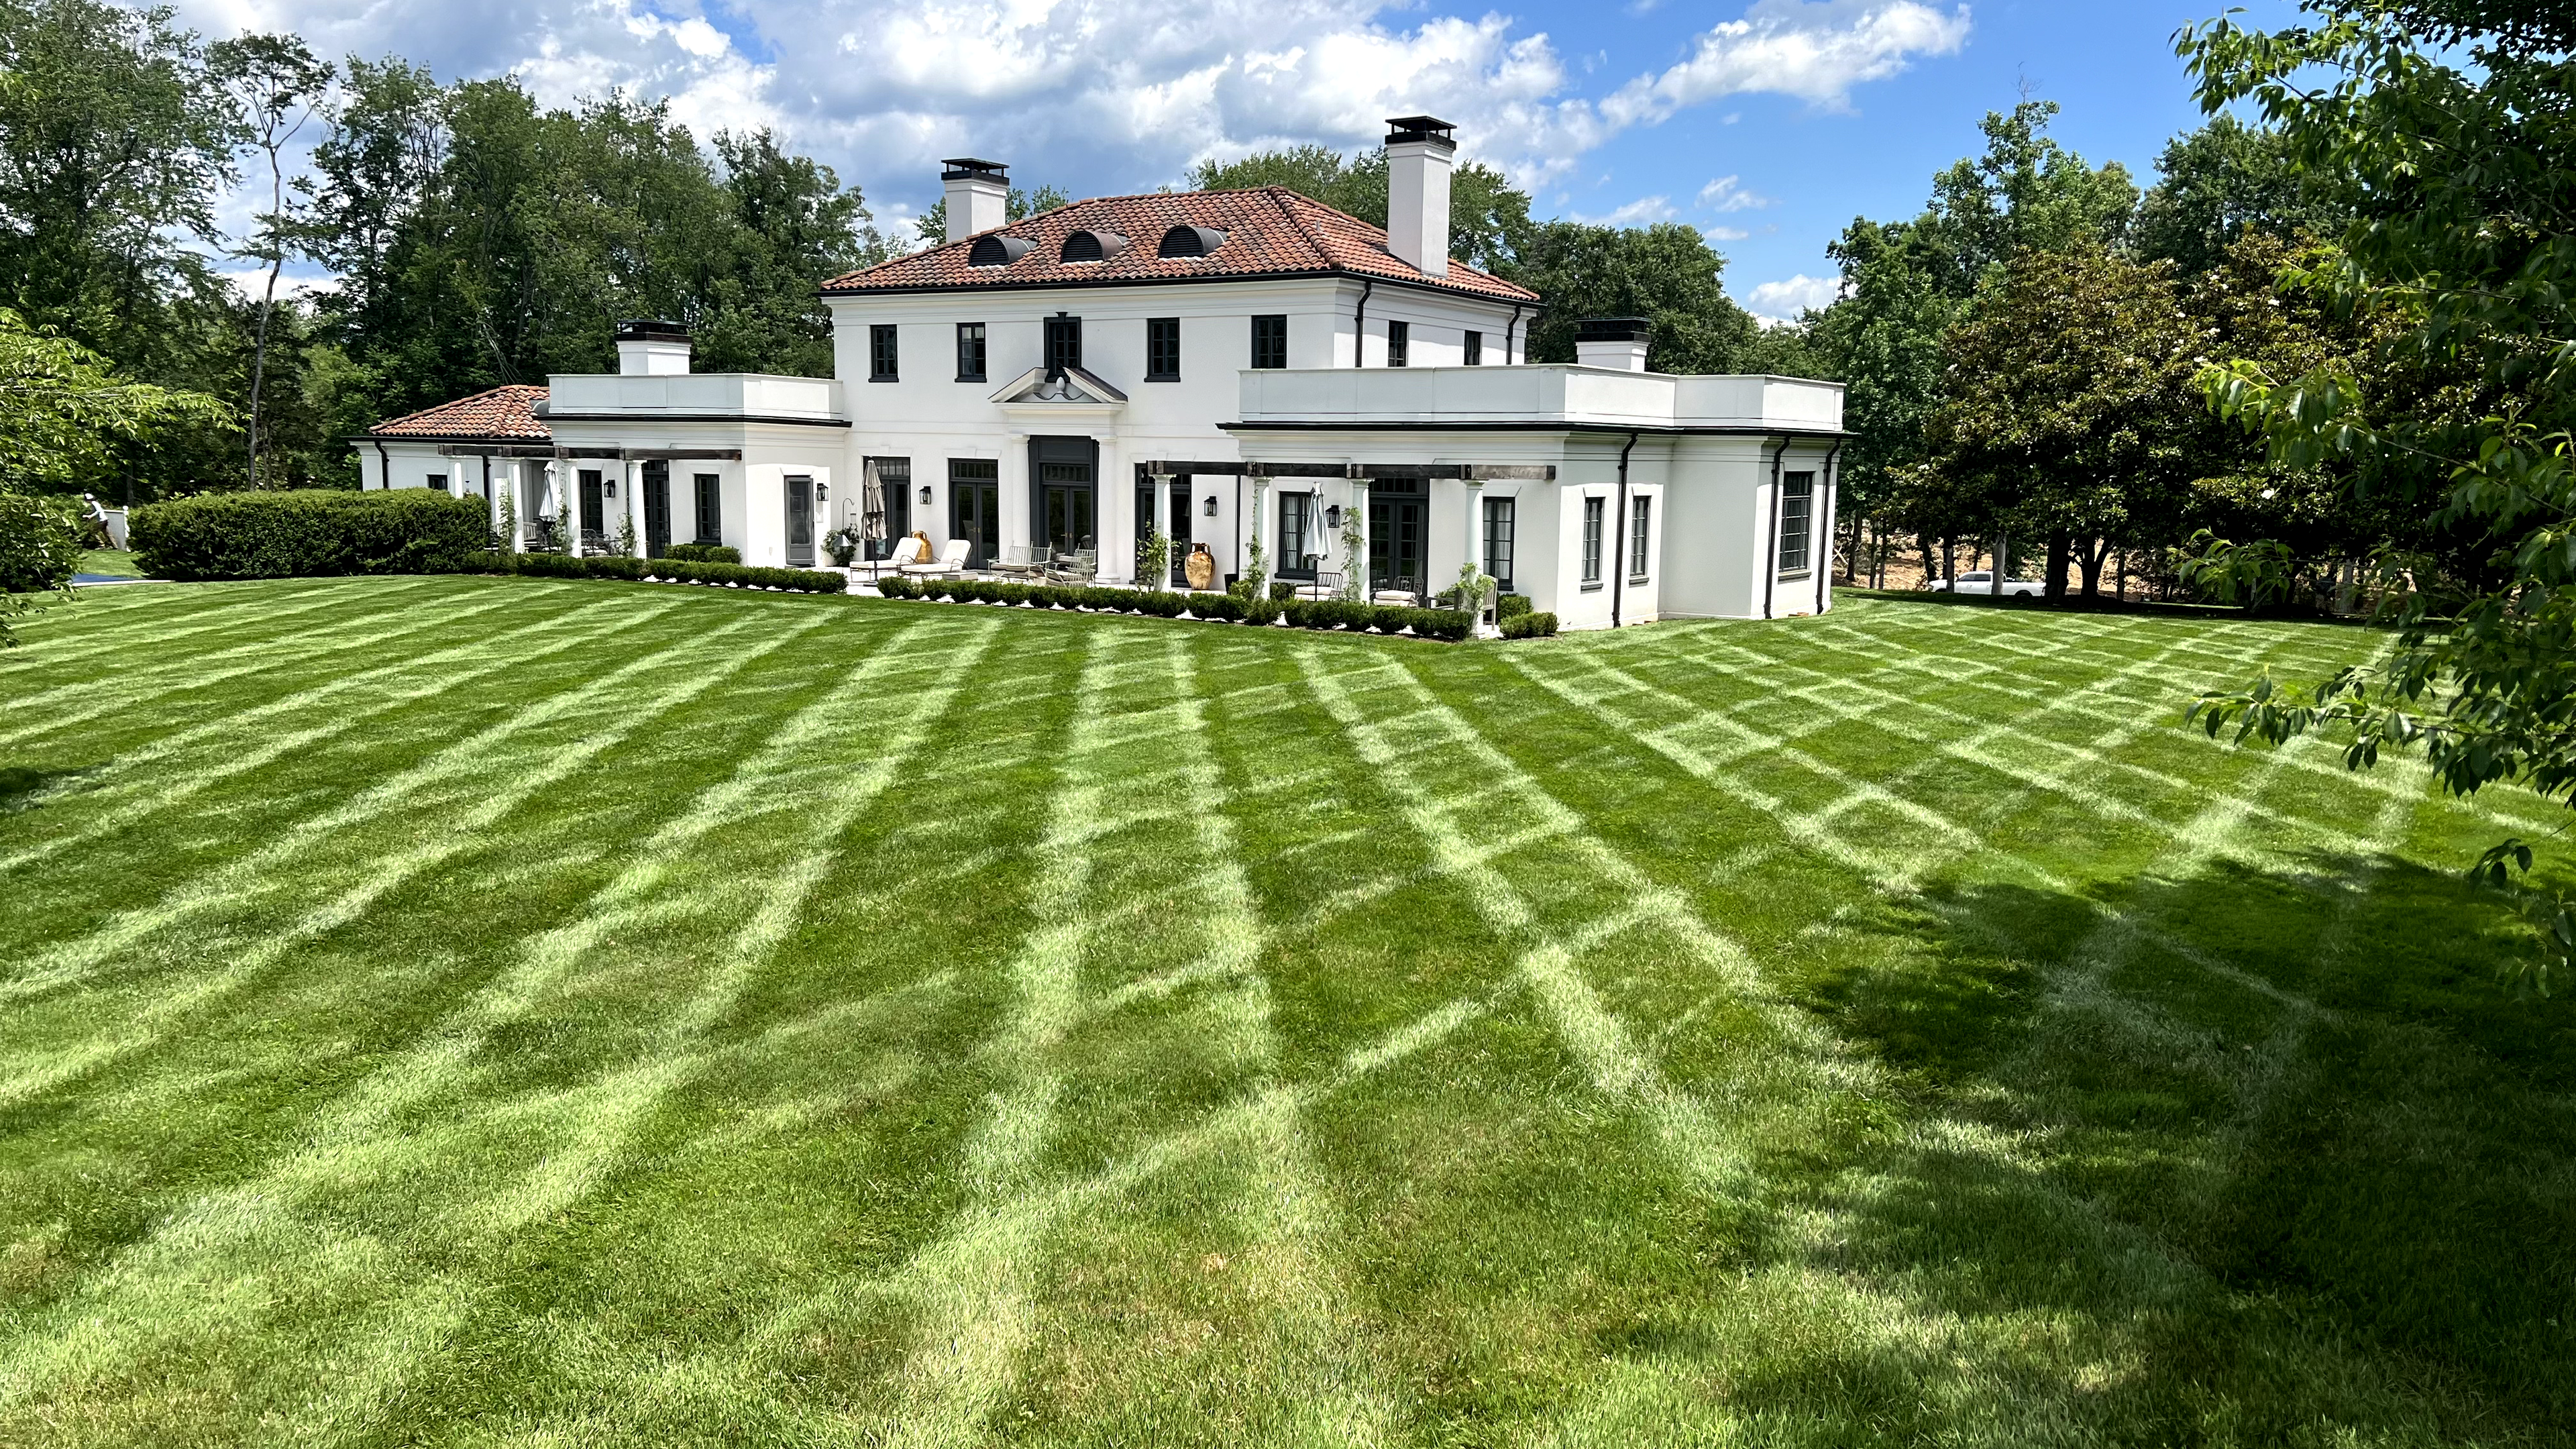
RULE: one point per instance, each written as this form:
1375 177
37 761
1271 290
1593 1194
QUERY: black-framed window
1162 349
1502 522
1399 343
1797 514
710 500
1592 510
1474 352
1063 342
881 353
1640 533
1270 341
970 352
438 481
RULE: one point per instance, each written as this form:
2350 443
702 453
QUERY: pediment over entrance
1072 387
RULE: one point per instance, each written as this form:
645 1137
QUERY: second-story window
1475 350
970 352
1399 342
1162 349
881 356
1270 341
1063 342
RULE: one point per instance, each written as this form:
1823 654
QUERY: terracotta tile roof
504 412
1269 230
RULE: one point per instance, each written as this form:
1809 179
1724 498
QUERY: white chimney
979 196
1418 152
1617 343
652 349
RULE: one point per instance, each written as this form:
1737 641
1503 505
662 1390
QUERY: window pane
1399 342
881 355
710 488
1475 349
970 352
1638 532
1592 540
1270 341
1797 502
1163 348
1063 342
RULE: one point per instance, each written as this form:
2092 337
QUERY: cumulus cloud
1103 95
1783 301
1727 193
1643 211
1726 233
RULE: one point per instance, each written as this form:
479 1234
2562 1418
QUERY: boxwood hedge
1319 614
308 531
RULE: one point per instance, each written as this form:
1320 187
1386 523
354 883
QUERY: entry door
1067 517
1395 544
657 508
800 522
975 515
588 524
1180 531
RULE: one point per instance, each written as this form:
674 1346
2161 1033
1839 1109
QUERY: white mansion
1224 366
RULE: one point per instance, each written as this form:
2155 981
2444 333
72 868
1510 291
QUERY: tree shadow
24 787
2268 1148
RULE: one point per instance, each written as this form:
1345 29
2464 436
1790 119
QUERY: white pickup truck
1983 582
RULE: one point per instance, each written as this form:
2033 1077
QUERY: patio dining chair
1078 567
1018 561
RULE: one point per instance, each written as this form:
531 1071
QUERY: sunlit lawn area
579 1013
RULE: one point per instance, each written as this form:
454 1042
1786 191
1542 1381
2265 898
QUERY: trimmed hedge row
307 532
559 566
704 553
1323 614
1526 625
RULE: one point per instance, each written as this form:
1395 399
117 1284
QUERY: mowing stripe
700 664
830 759
497 653
267 657
209 618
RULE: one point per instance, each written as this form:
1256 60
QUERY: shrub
309 532
892 587
614 567
703 553
1216 606
546 565
1162 604
1282 592
1511 606
1530 626
1011 594
40 542
1261 611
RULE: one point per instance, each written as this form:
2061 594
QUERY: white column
1355 576
1260 487
634 491
1017 527
1475 491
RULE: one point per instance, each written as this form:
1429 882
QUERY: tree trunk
1949 561
2090 561
2122 574
2060 549
1923 541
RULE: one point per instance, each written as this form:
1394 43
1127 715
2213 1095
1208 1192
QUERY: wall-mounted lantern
612 487
925 495
1333 516
1210 509
822 492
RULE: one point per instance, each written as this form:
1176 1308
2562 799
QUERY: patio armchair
1326 584
1079 567
951 562
1018 561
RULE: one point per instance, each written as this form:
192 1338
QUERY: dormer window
1190 241
996 250
1093 246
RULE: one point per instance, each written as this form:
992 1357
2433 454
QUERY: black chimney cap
961 167
1612 329
1420 128
648 329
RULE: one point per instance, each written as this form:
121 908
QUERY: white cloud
1101 95
1640 212
1727 193
1783 301
1726 233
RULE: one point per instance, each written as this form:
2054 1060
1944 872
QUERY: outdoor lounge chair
951 562
1018 560
906 550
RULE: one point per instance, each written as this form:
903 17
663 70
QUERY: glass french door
800 522
975 508
1179 508
657 507
1395 544
1068 505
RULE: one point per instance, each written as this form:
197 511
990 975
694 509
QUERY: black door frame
657 507
799 488
1050 449
985 538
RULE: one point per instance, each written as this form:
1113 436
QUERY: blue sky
1767 123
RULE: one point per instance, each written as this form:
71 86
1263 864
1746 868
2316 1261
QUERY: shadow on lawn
2289 1156
23 787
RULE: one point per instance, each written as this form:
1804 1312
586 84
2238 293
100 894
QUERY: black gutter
1619 536
384 460
1508 329
1359 327
1825 575
1771 555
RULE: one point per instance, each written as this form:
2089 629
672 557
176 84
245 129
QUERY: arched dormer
1190 241
997 249
1092 246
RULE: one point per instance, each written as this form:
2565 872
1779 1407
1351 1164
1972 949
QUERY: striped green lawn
498 1011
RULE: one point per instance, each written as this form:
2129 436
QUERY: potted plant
842 544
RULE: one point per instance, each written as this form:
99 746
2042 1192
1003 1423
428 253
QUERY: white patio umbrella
872 508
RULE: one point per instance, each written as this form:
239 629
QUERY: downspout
1359 326
1619 536
1508 329
385 465
1771 554
1825 575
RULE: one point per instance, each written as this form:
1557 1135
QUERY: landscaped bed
470 1009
